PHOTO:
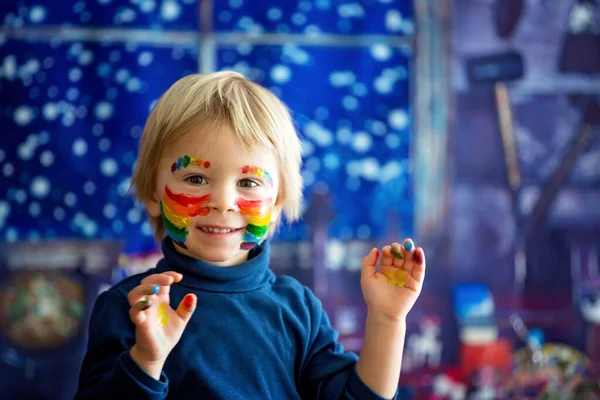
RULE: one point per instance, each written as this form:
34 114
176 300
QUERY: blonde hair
255 115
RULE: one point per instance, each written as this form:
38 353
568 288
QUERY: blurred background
469 125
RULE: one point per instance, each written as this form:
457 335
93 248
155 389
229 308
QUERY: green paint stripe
258 231
170 227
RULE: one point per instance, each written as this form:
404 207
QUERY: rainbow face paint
258 215
177 212
257 212
186 161
259 172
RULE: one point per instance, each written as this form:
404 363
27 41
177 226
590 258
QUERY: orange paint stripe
176 208
254 211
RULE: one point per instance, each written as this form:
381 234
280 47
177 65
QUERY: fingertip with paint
418 256
143 304
397 253
188 301
151 290
408 245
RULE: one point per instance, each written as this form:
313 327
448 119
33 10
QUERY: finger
139 292
186 307
408 250
387 257
396 250
164 279
142 305
369 264
177 277
418 272
398 253
137 311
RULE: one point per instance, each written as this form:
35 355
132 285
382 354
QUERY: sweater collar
247 276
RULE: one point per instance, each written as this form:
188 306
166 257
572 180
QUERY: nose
223 199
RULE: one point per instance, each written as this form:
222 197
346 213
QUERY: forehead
221 147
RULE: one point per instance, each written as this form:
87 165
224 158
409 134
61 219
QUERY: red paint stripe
187 200
243 203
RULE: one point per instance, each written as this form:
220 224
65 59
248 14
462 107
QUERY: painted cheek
258 215
178 211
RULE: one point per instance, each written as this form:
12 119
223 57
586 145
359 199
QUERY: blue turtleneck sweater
252 336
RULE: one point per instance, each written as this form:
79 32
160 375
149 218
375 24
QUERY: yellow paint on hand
162 317
398 277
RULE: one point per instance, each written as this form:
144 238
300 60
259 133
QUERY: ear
153 207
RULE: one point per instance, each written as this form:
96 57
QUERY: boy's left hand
391 290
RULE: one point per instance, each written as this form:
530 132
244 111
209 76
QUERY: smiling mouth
218 229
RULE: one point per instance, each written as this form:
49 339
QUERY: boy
219 162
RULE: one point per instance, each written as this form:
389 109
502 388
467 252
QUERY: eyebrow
186 161
259 172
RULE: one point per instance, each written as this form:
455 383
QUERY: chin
224 257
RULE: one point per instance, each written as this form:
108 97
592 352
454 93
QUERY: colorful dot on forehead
259 172
186 161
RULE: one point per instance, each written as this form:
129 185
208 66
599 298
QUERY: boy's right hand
158 327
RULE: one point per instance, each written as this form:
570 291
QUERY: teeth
215 230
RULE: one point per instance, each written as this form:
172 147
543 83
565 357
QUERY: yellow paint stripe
260 221
177 220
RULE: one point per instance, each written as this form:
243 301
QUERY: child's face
215 198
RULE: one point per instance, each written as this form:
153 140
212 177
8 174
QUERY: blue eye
197 180
247 183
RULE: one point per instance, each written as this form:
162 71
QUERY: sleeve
108 371
327 371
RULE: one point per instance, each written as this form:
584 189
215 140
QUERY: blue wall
73 103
